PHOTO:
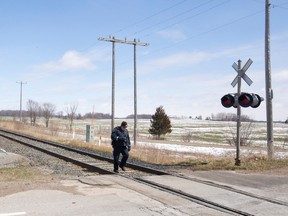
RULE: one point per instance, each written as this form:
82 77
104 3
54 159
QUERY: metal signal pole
113 40
240 74
21 84
269 91
237 159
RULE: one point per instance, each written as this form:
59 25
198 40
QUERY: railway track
83 158
103 165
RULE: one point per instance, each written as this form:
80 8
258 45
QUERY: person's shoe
123 168
116 171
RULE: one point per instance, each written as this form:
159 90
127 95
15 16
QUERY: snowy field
189 136
199 136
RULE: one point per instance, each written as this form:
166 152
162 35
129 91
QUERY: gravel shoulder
26 170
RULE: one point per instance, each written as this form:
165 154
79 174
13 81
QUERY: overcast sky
53 47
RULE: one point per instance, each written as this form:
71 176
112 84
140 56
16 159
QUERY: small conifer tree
160 123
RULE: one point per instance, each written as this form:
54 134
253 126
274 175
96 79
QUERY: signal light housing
250 99
228 100
244 100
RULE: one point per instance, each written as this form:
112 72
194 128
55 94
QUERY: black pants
117 150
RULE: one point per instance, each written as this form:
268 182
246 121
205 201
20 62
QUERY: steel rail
90 154
196 199
274 201
60 156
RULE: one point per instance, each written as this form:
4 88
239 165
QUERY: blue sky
53 46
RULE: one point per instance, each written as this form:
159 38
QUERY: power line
157 13
208 31
280 6
173 17
201 34
148 17
142 20
195 15
177 15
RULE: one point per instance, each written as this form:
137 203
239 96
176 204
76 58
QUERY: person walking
121 145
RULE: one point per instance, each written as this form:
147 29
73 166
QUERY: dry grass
19 173
154 155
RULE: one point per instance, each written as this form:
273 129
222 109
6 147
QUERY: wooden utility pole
269 91
21 84
135 96
135 43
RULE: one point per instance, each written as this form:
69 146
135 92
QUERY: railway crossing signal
240 99
244 100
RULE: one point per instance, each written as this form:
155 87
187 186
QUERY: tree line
35 110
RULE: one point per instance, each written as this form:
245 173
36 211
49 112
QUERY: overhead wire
177 15
190 17
182 20
140 21
180 14
150 16
166 20
281 7
206 32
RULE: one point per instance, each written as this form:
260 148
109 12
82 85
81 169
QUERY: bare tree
71 113
34 110
48 110
246 135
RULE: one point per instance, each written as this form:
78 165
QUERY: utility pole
21 84
269 91
135 43
135 96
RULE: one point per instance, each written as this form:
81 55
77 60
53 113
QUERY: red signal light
245 100
228 100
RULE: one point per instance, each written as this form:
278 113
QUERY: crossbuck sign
241 73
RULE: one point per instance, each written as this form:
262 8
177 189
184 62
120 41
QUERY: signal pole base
237 162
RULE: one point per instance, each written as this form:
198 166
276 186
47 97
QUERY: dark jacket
120 137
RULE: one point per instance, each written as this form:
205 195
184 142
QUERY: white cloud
173 34
279 37
281 75
175 60
71 60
